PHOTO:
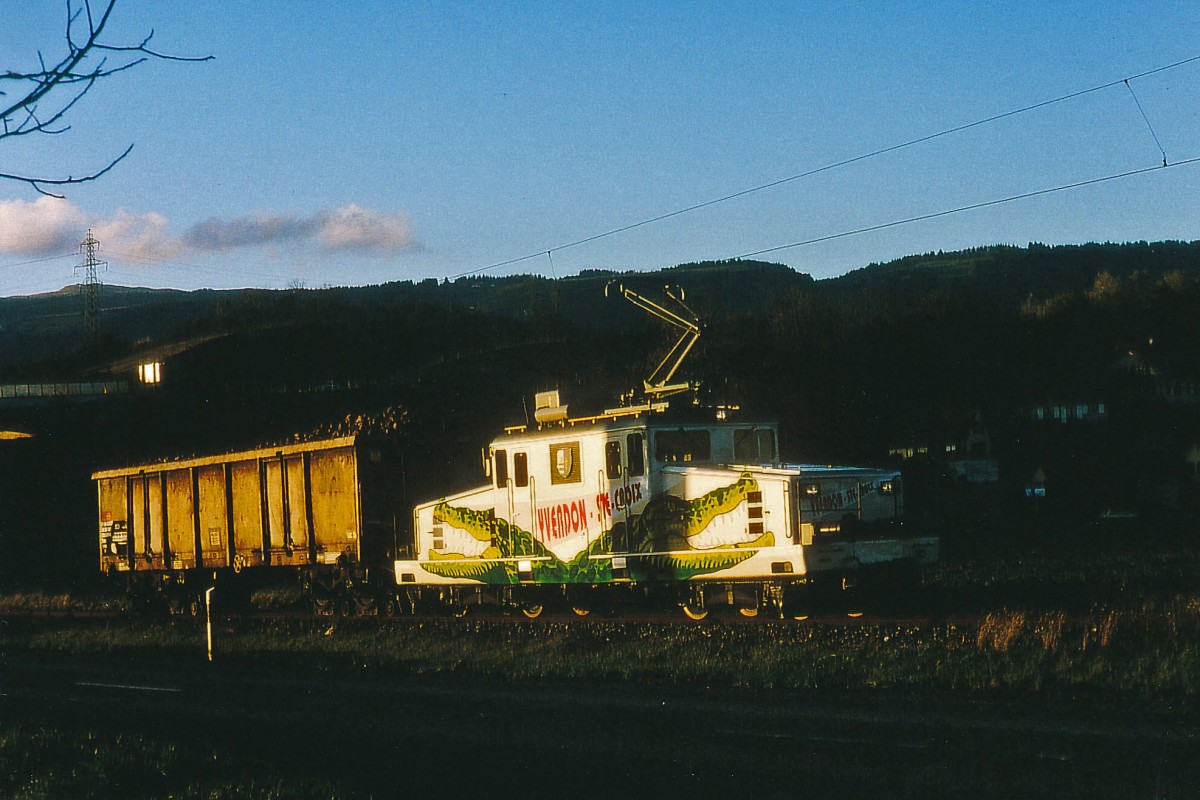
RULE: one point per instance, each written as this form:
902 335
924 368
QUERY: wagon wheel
581 611
322 606
694 611
366 606
460 611
532 610
748 611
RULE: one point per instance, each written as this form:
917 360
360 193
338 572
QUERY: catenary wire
970 207
835 165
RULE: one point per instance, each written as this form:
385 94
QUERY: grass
1111 608
49 762
1152 650
1087 614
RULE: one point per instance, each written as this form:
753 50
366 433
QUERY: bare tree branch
44 96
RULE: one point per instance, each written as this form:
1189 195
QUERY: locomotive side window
501 470
682 446
753 445
612 460
521 469
637 457
564 463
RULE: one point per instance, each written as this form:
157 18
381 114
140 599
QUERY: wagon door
212 515
114 524
246 497
335 511
146 521
284 489
180 520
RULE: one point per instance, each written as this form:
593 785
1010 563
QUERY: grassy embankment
1152 651
1100 615
1104 610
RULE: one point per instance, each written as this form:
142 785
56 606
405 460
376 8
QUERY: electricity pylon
90 288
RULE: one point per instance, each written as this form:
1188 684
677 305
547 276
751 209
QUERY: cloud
346 229
146 237
354 228
49 226
253 230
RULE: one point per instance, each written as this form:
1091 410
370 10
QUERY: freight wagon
643 502
325 510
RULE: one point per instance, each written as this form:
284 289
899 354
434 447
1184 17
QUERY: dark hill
927 351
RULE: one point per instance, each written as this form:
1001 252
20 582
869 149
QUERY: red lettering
560 521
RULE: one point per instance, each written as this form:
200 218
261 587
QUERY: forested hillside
911 354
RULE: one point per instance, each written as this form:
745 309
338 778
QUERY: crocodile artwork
670 538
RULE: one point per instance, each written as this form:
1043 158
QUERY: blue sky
361 142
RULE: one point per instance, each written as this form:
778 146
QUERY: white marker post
208 613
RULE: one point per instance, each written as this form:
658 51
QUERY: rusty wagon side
319 508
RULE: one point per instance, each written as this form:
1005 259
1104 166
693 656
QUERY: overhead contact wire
971 207
835 165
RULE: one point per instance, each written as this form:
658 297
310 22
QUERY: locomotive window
521 468
612 460
501 458
754 445
564 463
637 457
682 446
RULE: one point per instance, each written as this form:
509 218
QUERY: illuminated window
150 372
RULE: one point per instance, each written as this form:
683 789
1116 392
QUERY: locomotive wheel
532 610
748 611
193 607
580 611
460 611
390 607
695 612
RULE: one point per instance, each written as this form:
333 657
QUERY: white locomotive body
696 507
